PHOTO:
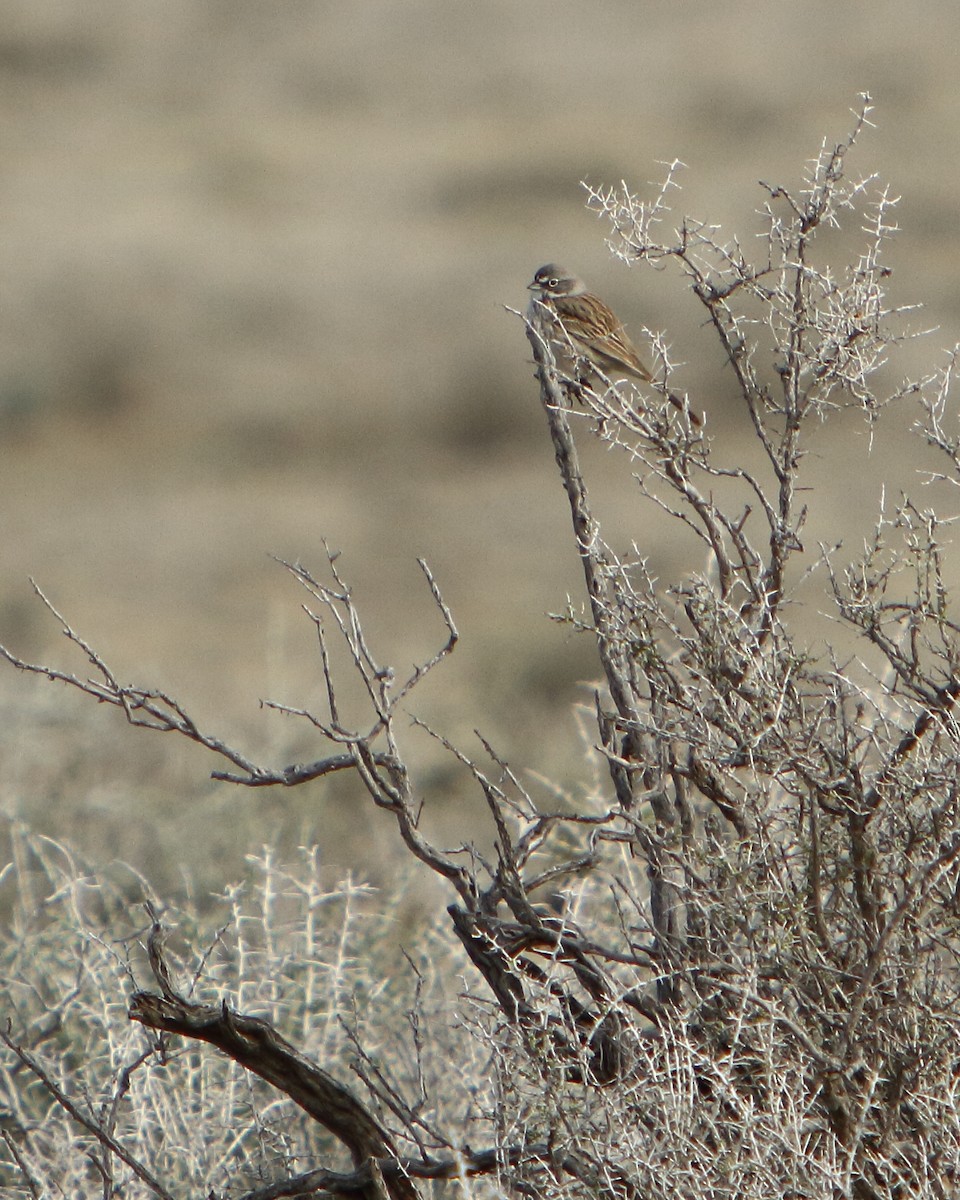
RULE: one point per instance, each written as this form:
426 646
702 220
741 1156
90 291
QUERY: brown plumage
594 331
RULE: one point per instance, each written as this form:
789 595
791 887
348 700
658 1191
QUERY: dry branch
259 1048
757 994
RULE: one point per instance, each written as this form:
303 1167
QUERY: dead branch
257 1047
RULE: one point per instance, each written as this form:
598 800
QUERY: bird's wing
612 338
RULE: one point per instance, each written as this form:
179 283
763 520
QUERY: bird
592 330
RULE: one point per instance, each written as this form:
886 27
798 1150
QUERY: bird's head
553 280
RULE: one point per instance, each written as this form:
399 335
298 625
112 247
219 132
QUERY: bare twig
95 1128
257 1046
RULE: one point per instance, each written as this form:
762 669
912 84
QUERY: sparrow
594 332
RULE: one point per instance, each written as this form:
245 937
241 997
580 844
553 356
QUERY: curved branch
256 1046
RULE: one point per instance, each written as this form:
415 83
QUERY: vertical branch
597 568
601 575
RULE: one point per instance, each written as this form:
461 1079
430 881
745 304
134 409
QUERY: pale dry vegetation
722 966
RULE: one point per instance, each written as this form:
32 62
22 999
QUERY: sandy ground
253 272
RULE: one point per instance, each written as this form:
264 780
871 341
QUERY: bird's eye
553 283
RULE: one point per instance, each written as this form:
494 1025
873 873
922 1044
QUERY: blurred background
253 275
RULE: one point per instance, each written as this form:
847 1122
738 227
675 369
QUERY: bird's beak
533 287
